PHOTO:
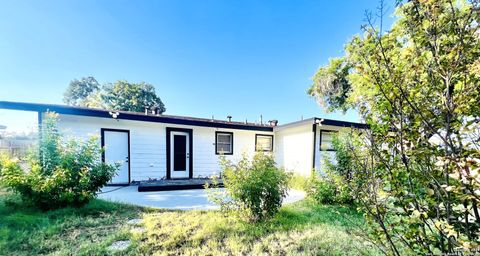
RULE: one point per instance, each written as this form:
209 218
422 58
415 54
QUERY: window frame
216 142
320 141
264 135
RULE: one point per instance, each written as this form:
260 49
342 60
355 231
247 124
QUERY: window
326 138
224 143
263 142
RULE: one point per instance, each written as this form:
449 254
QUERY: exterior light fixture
114 114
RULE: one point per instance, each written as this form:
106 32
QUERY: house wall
148 144
294 148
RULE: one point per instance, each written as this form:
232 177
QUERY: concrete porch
194 199
175 184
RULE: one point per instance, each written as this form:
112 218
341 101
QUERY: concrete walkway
195 199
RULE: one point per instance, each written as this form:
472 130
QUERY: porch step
174 184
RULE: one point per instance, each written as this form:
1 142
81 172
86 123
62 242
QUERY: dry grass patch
303 228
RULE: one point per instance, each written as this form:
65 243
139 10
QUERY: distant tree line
120 95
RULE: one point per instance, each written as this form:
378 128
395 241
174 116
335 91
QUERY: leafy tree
79 91
123 95
417 86
94 100
330 85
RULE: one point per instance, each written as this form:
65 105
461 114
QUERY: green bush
333 184
321 190
66 172
329 188
256 188
10 171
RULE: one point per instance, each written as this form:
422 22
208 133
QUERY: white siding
294 149
148 144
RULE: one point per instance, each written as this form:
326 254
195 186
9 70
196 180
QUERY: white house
151 146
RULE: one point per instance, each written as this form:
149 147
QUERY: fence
16 147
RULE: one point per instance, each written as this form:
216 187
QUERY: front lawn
300 228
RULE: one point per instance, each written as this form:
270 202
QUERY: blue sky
208 57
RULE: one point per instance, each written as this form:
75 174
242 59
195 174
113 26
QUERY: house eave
91 112
321 122
294 124
331 122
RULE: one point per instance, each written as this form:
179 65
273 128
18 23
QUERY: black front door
179 153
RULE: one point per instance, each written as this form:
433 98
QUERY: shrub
321 190
329 188
10 171
66 173
333 184
255 188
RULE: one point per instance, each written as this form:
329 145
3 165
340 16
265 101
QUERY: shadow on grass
25 229
297 217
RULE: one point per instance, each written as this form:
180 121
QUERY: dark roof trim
80 111
322 121
341 123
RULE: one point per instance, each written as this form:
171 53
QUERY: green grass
299 229
86 230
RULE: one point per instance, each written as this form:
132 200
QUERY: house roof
137 116
171 119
